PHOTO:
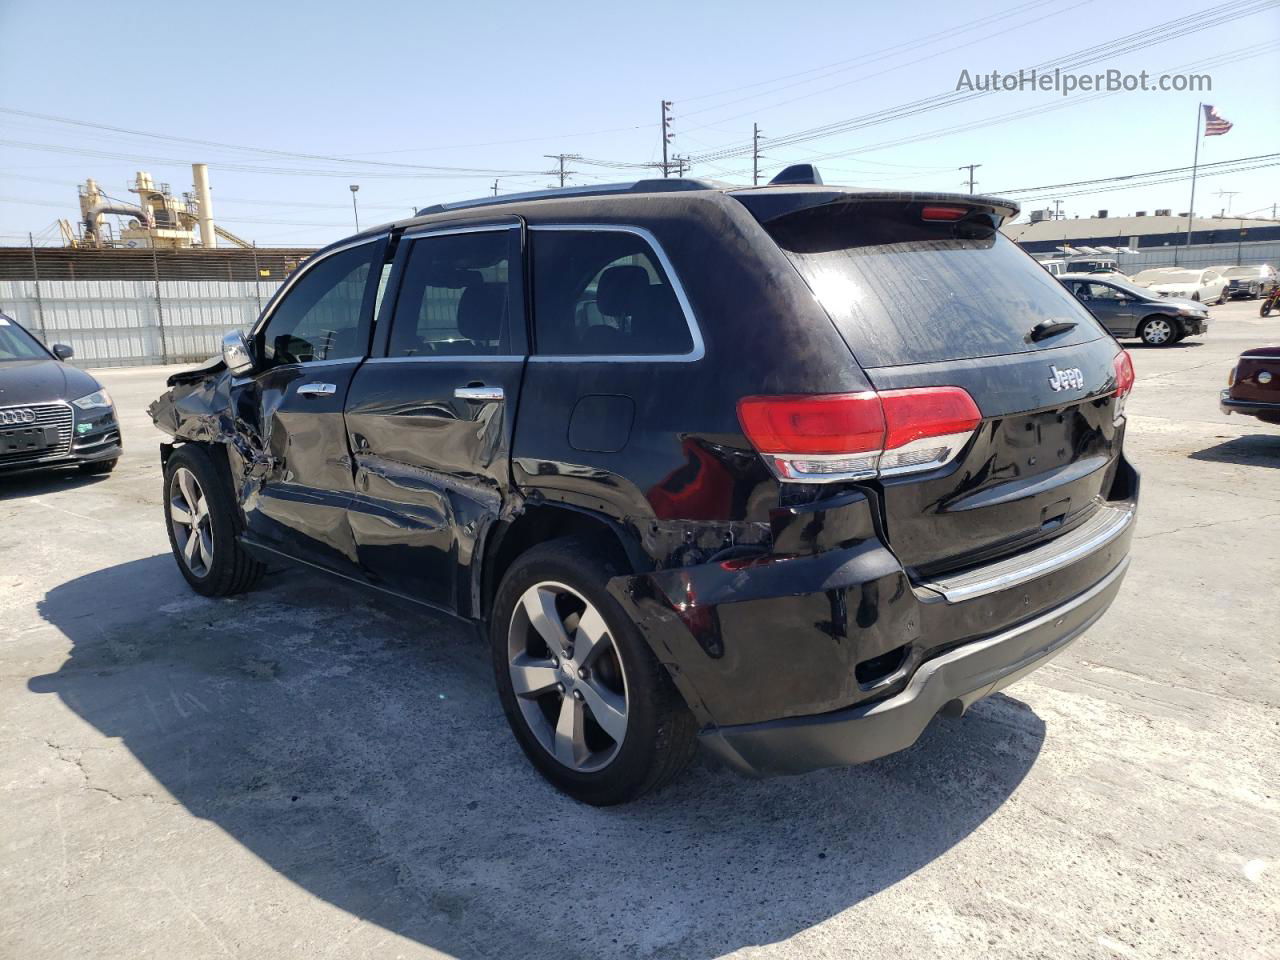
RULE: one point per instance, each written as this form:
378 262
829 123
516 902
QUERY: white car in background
1206 286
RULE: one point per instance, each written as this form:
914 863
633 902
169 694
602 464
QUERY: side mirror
62 351
236 354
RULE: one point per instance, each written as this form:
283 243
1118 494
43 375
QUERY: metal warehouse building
1159 240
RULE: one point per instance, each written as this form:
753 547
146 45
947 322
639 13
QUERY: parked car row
1206 285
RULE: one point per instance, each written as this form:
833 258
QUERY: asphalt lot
313 771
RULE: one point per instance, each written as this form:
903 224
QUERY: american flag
1214 125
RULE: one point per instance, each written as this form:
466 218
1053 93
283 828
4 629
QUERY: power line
1160 33
1131 176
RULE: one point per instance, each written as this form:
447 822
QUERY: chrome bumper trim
1104 526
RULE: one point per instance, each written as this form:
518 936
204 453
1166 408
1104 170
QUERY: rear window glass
603 293
902 290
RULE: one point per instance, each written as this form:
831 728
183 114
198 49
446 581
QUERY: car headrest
482 310
622 291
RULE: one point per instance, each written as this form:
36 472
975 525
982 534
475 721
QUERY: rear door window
902 290
455 298
604 293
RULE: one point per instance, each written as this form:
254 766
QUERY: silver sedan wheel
567 676
189 515
1157 332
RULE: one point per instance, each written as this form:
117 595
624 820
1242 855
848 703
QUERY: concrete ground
314 771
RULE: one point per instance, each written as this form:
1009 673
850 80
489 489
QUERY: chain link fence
123 307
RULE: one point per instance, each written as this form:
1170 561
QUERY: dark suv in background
785 470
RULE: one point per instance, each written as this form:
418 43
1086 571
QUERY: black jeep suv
785 470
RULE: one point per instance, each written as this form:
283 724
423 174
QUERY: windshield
1180 276
1233 272
1155 273
904 291
17 344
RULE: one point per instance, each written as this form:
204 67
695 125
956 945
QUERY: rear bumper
1270 412
950 682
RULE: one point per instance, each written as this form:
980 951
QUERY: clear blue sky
494 86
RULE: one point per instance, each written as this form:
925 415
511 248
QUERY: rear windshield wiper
1050 328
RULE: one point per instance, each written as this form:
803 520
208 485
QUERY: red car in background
1253 387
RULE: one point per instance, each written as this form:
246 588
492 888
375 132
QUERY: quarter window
455 298
604 293
322 315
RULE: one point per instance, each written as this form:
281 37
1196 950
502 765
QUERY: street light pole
355 212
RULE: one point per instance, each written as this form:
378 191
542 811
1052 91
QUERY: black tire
232 569
1159 331
99 467
1265 309
660 737
1222 298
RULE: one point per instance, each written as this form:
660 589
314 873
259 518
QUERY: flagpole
1191 210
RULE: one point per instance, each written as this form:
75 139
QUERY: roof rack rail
672 185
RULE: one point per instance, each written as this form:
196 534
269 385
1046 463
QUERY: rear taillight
1123 365
1124 374
849 436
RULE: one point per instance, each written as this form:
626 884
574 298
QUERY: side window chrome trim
301 272
418 233
695 333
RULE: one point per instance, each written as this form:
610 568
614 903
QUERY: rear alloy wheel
592 709
203 521
567 677
1157 332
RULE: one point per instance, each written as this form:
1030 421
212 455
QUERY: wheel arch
507 539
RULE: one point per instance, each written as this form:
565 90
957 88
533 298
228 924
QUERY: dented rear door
429 417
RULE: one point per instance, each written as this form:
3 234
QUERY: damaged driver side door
306 351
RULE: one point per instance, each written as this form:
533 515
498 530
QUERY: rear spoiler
770 203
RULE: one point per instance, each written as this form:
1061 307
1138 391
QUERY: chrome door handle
480 394
317 389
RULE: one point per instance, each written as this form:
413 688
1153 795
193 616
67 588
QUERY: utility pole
560 158
970 167
755 154
681 164
666 135
495 187
1195 163
1057 209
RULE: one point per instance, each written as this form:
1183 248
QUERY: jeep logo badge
1068 379
13 418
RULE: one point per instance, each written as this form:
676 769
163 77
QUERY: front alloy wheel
1157 331
568 680
204 522
189 515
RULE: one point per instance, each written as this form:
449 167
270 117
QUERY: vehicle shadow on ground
1180 345
358 748
1254 450
33 484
